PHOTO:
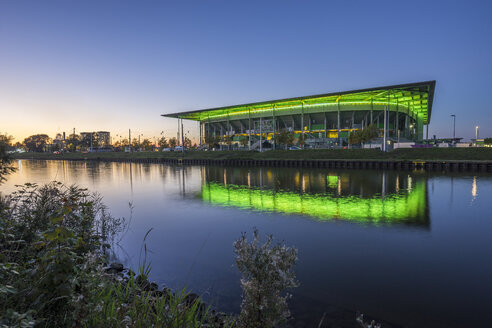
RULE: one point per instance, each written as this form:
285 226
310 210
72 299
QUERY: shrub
266 273
46 236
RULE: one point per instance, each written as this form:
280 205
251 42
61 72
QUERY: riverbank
413 154
452 159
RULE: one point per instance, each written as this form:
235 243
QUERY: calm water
412 248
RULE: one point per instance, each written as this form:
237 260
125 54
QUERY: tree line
74 142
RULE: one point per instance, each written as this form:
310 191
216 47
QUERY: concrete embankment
455 166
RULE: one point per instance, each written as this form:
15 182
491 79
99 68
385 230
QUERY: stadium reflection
362 196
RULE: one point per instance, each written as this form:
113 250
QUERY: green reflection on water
394 207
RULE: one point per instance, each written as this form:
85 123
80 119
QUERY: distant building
103 138
99 139
478 142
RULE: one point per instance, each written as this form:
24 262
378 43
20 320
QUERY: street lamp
454 126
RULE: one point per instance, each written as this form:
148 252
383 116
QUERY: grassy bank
423 154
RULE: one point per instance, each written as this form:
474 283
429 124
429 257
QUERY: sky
118 65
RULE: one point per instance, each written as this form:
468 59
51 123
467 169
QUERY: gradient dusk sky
115 65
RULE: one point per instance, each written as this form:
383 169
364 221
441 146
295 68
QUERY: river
410 247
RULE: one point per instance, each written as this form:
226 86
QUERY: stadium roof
417 97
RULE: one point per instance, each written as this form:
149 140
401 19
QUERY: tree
6 141
187 142
266 273
136 144
163 143
301 140
173 142
55 147
244 141
5 160
369 133
285 137
73 141
354 138
147 145
121 144
487 141
18 145
292 138
364 135
282 137
211 141
37 142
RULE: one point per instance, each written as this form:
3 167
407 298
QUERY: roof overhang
417 98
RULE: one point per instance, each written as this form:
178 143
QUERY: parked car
178 148
294 148
167 149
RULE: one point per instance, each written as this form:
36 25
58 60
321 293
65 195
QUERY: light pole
476 133
129 140
454 126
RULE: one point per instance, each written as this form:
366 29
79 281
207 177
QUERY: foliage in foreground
51 267
267 272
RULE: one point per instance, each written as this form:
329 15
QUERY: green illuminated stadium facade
322 119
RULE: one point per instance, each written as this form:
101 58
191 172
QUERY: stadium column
405 130
338 121
407 121
274 125
241 126
309 126
420 127
204 126
326 130
207 130
372 100
397 122
261 135
249 131
221 136
388 113
230 133
302 119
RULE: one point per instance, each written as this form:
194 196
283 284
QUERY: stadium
320 121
